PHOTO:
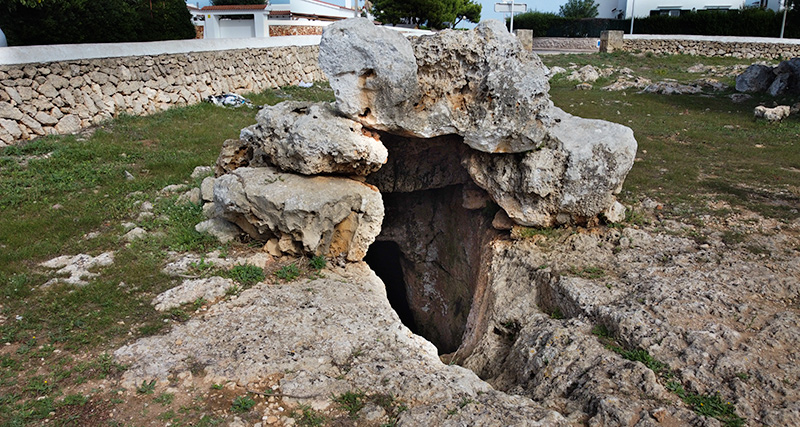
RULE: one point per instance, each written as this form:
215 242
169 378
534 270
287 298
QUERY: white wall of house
642 8
313 7
236 28
220 25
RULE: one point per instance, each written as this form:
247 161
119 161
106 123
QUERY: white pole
512 17
785 8
633 6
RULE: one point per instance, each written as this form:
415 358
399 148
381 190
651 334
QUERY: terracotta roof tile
237 7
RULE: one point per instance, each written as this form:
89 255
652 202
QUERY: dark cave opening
383 258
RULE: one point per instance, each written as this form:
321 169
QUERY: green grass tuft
351 401
247 275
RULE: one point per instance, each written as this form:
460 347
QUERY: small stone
207 189
501 221
45 119
69 124
135 234
223 230
202 171
772 114
272 247
659 414
191 196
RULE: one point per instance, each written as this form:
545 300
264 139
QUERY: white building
276 18
198 18
623 9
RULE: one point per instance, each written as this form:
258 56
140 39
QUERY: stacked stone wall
705 47
564 43
295 30
66 96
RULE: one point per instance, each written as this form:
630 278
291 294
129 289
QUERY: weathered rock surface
781 79
571 180
207 289
586 73
77 267
325 337
313 139
335 217
223 230
479 84
775 114
756 78
715 315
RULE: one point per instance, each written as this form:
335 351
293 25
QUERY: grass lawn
694 151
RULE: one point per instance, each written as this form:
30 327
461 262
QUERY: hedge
95 21
745 22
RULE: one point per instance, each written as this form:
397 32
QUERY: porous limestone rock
372 70
539 331
312 138
77 267
192 290
328 336
571 180
223 230
772 114
587 73
330 216
479 84
482 87
235 153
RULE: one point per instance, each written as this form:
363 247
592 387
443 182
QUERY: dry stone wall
295 30
738 47
65 96
565 43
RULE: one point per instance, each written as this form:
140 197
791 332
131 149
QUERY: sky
486 13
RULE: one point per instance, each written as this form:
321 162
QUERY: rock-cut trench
436 224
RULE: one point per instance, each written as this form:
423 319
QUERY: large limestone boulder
313 139
778 80
330 216
481 87
756 78
571 180
371 69
479 84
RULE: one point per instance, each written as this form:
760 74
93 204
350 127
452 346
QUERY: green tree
41 22
436 14
578 9
229 2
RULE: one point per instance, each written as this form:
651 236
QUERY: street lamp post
512 18
633 5
785 8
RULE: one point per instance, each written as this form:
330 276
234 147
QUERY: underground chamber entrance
429 257
384 259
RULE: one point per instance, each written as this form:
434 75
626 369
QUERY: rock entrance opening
384 259
432 237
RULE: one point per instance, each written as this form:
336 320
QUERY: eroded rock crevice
436 221
440 244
